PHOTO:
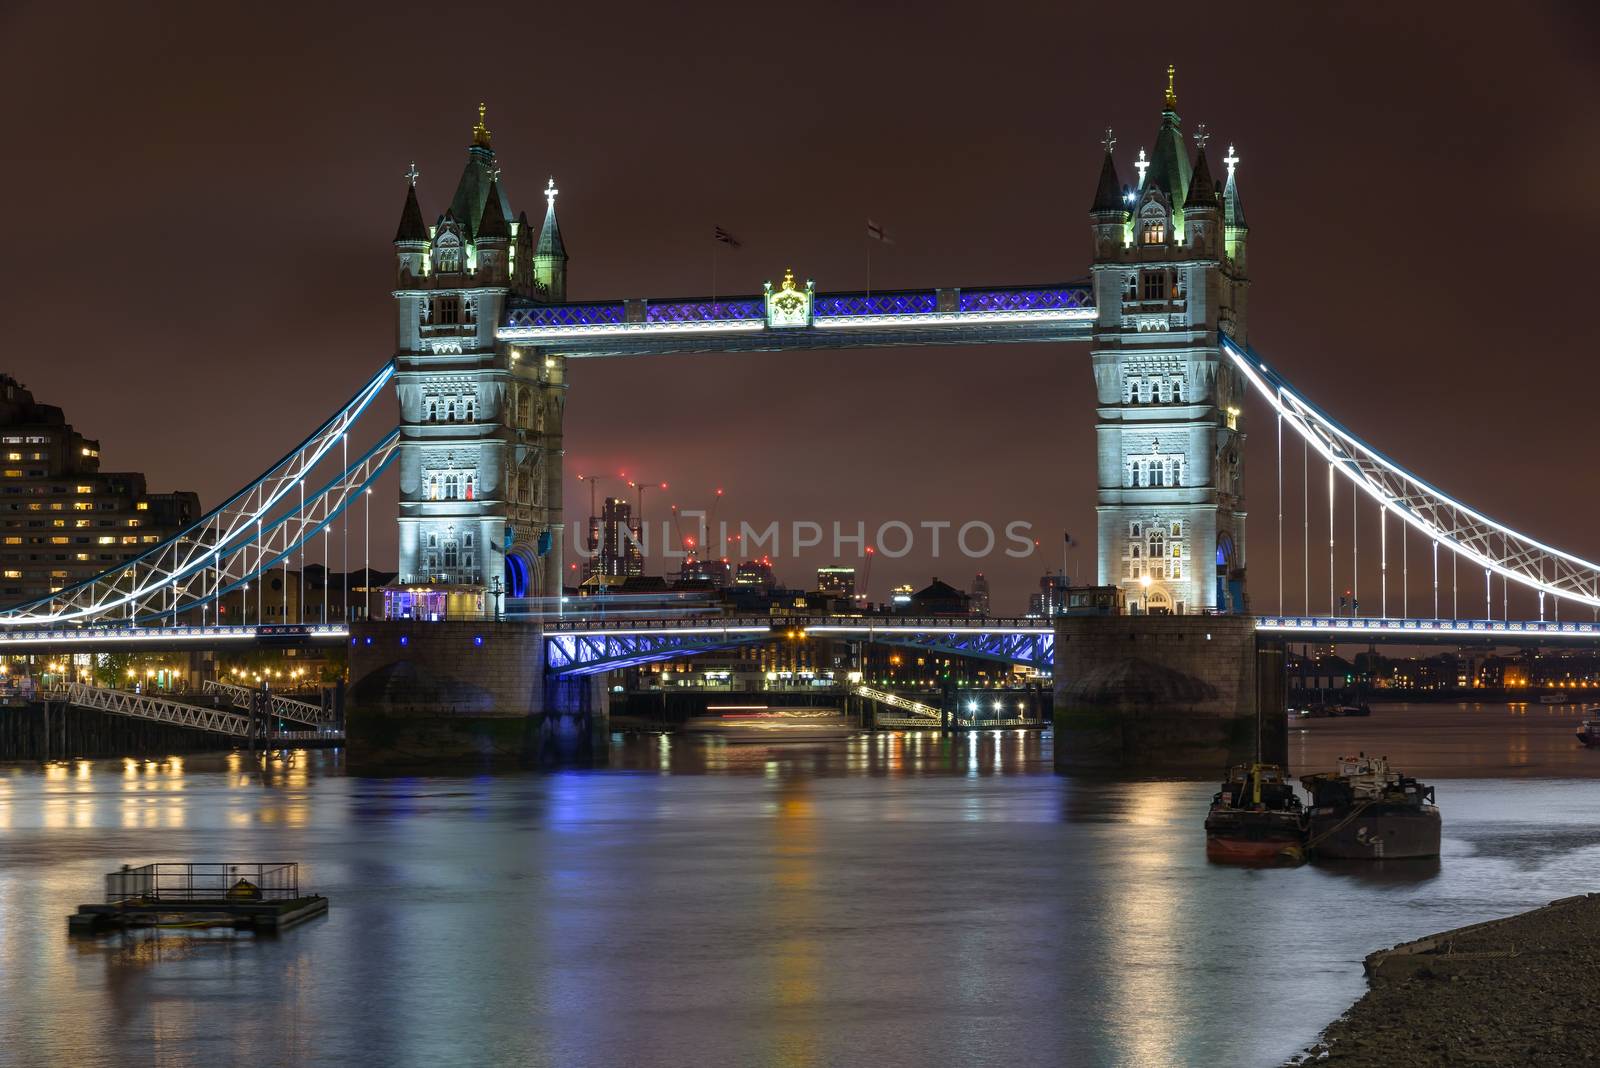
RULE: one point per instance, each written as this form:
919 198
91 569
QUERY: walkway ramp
157 709
279 707
911 713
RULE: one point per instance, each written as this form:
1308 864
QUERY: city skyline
1318 166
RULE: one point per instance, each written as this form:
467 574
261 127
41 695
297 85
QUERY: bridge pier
1165 694
465 694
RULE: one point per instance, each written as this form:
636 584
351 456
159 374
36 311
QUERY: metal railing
223 881
278 707
156 709
904 704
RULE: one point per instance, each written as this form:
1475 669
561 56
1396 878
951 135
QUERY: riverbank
1511 991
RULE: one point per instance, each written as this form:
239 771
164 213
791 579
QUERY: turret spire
1108 194
1172 88
411 228
480 132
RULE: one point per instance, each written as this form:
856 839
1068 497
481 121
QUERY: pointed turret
1202 190
1233 206
1108 194
522 254
480 173
411 228
550 258
411 236
1169 163
493 223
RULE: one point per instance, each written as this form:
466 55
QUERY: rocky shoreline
1506 992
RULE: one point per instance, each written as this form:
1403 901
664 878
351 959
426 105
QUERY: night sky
201 201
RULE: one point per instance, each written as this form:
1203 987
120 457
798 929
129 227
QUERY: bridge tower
480 467
1169 275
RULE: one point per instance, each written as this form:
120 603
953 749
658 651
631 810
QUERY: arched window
1158 473
433 490
1158 545
452 487
451 554
472 485
432 411
450 410
1177 391
470 409
1154 232
433 541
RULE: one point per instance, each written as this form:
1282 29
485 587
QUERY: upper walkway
795 318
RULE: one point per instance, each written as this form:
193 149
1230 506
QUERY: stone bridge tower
480 464
1169 276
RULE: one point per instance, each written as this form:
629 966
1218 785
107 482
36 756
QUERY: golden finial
788 278
1172 88
480 132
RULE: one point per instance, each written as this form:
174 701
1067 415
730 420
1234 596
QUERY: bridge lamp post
366 552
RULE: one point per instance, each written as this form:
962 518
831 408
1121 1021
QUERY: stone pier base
464 695
1163 695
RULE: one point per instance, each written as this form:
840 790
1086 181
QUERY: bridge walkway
157 709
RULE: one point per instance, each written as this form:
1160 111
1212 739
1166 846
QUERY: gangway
278 707
156 709
917 713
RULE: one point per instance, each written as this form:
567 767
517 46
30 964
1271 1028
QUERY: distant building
62 519
613 545
1051 600
713 574
755 573
940 599
839 581
980 595
900 596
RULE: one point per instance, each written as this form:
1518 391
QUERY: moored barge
1367 811
1256 818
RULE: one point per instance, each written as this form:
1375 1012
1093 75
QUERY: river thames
894 899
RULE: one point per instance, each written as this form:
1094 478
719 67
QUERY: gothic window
469 410
1133 571
1177 570
1154 232
450 410
447 253
1157 572
433 493
433 541
1177 391
1136 552
466 561
431 562
452 487
451 554
472 485
467 540
424 312
469 309
1133 529
1132 289
1177 531
448 311
1154 283
1158 473
1158 545
431 411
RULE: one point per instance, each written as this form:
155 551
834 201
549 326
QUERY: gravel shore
1518 991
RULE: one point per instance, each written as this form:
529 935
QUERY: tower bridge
485 329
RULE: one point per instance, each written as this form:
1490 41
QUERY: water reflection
901 898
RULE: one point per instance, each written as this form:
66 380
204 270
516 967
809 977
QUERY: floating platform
261 917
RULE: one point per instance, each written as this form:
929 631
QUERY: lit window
133 522
1154 233
83 506
106 539
12 472
10 573
58 541
85 489
142 506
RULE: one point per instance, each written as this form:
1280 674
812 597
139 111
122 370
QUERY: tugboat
1589 733
1256 818
1366 811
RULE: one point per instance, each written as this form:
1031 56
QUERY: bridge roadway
594 644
